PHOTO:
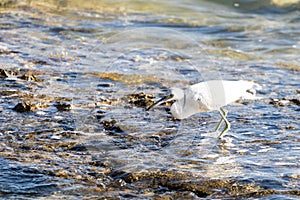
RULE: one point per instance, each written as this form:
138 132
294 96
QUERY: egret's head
176 94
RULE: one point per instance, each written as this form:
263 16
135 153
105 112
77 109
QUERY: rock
25 107
63 106
100 114
111 126
105 85
296 101
4 73
28 106
141 100
28 77
285 101
6 3
78 147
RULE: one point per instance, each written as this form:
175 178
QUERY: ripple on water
21 181
93 129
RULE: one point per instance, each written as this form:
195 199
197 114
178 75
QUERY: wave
261 6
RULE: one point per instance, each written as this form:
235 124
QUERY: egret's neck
182 109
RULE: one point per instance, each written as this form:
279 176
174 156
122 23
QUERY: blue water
95 55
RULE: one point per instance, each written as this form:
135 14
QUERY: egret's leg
227 124
221 120
219 125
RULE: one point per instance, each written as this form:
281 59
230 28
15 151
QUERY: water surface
76 77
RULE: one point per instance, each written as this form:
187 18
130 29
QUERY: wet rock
169 179
5 73
78 147
100 114
296 101
63 106
6 51
62 57
39 62
103 102
289 128
28 106
70 134
28 77
288 66
232 54
263 193
285 102
111 126
189 183
163 197
9 92
105 85
280 102
141 100
129 79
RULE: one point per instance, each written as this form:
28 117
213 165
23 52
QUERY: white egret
208 96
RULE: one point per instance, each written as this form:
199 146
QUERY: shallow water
88 70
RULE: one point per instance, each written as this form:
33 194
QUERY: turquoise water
95 55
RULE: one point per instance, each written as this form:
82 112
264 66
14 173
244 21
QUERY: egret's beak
162 100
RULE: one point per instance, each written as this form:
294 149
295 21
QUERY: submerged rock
285 102
5 73
111 125
188 182
28 77
63 106
6 3
141 100
28 106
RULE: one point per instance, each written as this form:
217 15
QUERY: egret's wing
201 93
235 90
210 94
213 94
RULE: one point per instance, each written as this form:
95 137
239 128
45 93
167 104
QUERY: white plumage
208 96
